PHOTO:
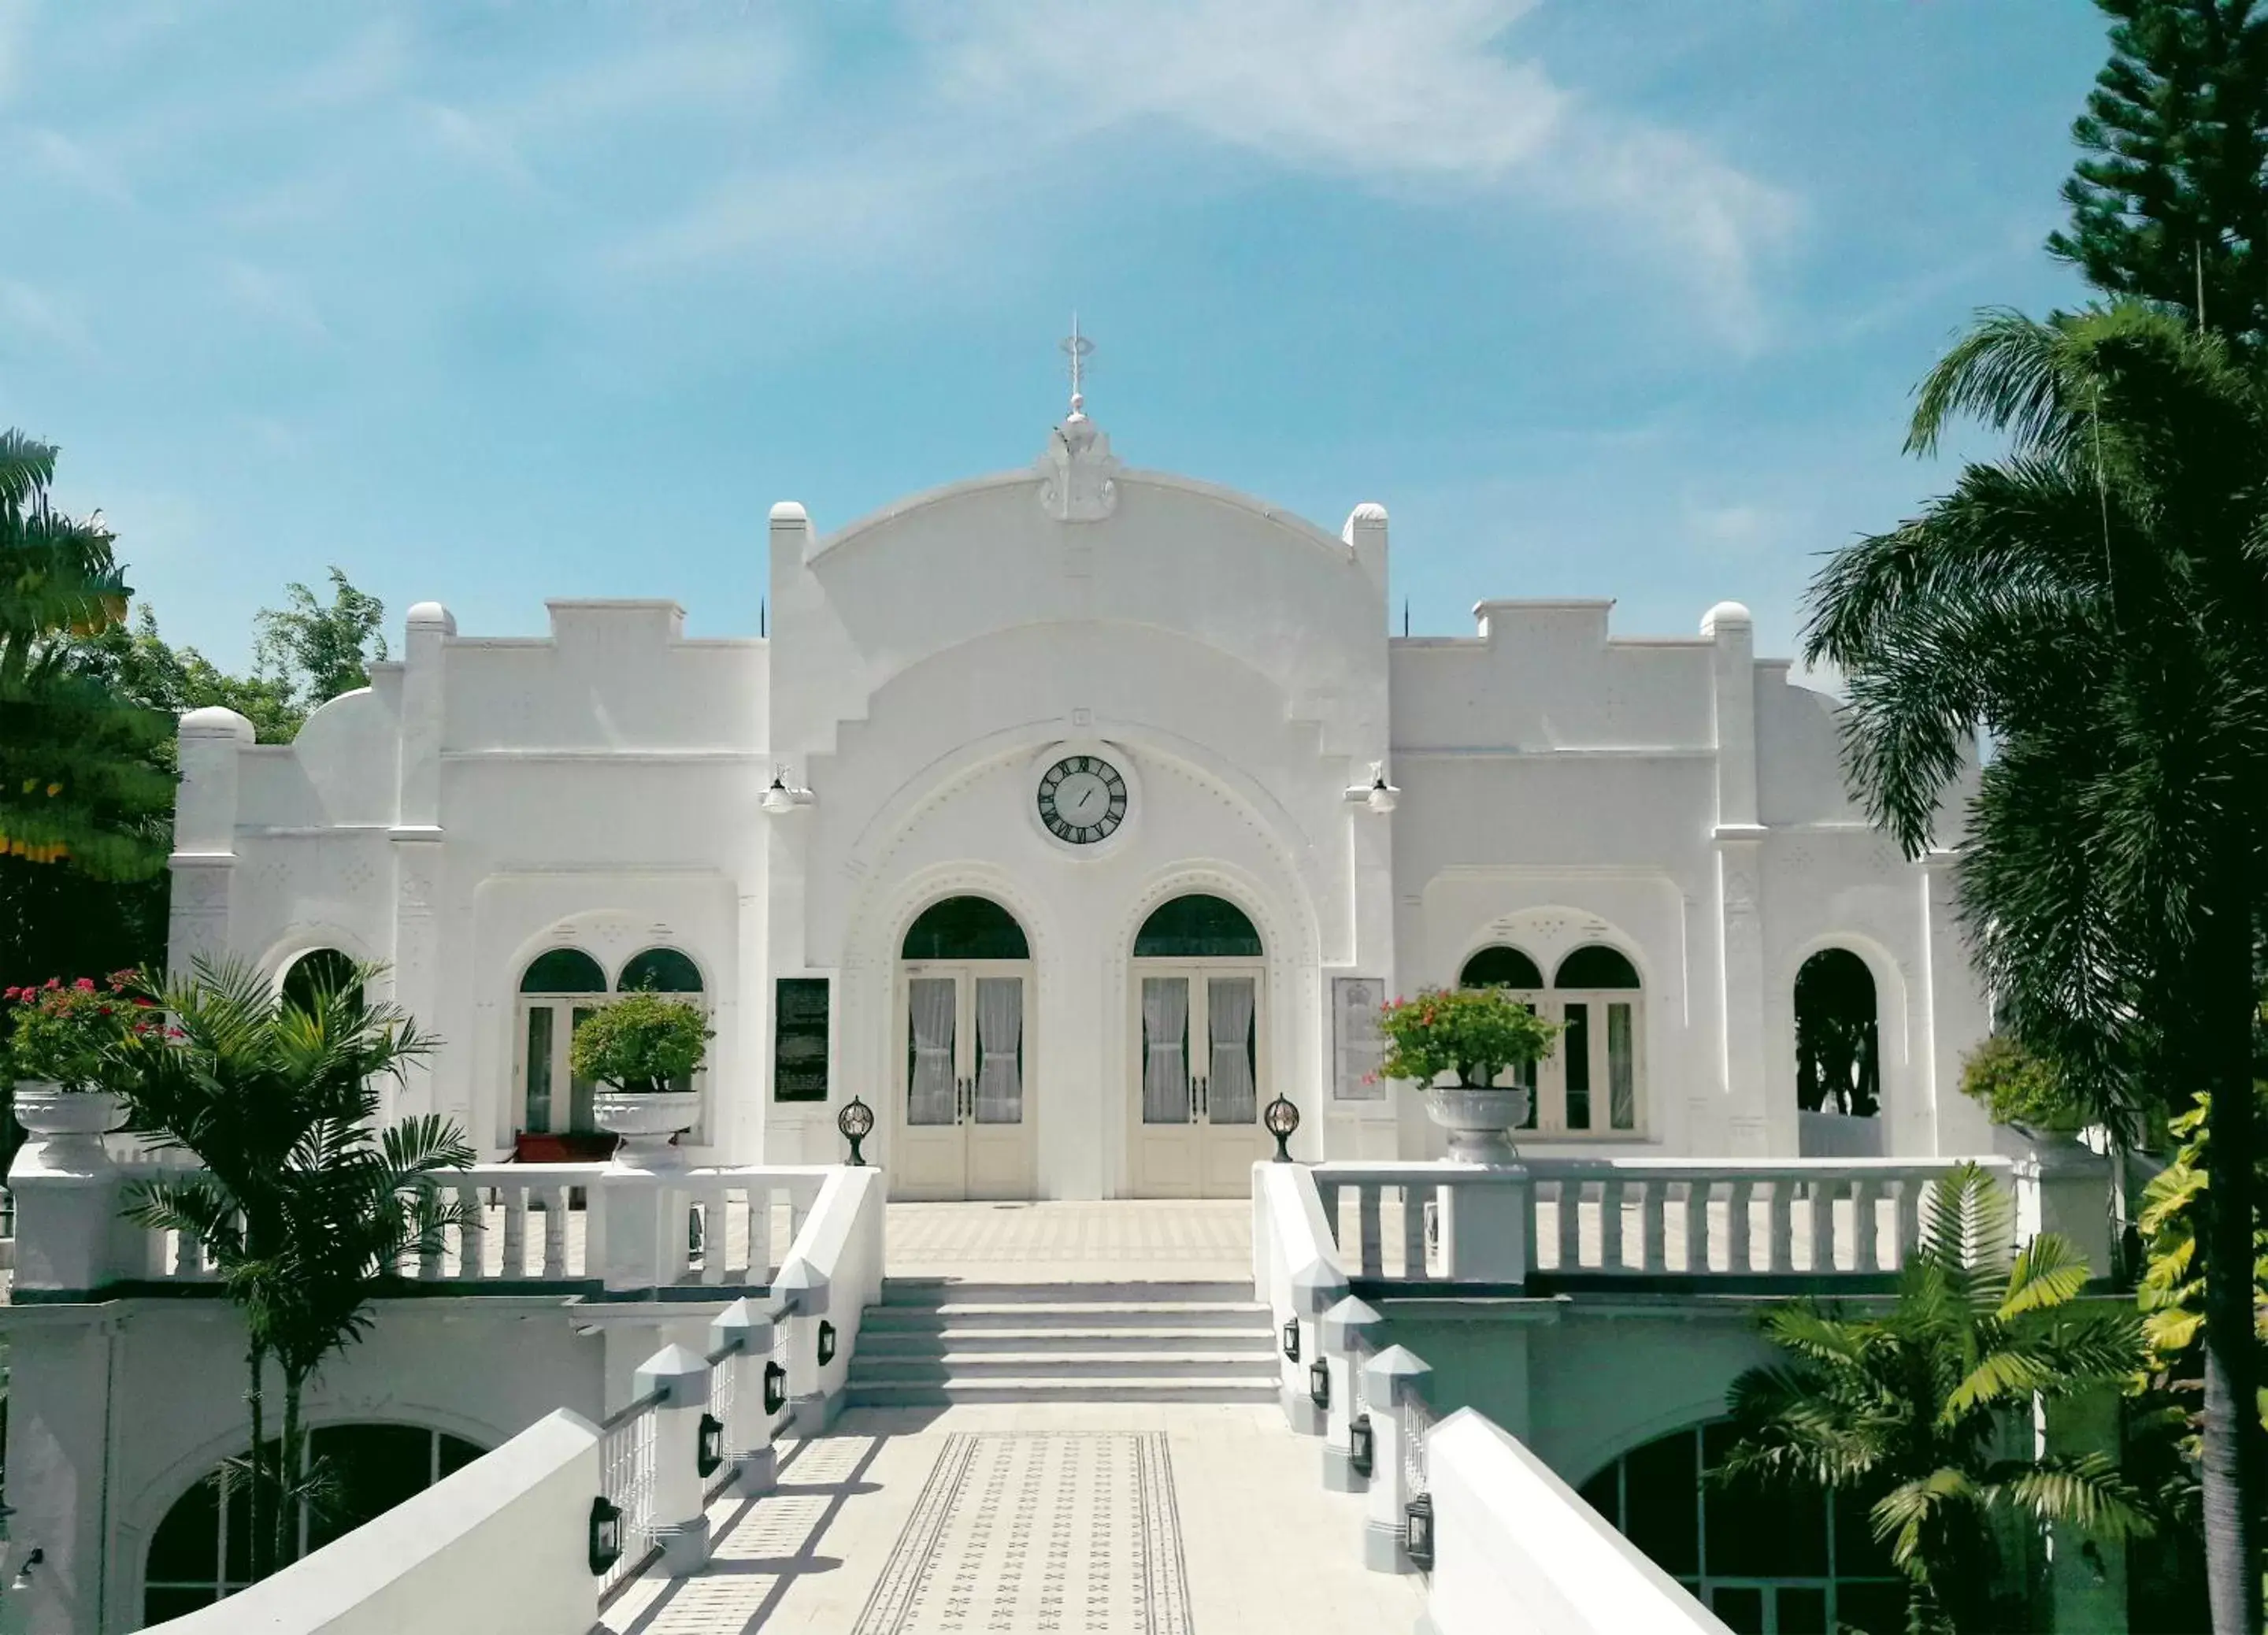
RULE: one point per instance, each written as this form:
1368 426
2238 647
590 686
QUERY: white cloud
369 65
479 142
51 320
72 162
15 26
274 298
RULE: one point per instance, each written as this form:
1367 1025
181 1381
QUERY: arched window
965 928
1760 1558
1837 1054
1196 927
319 970
200 1551
559 987
1500 967
659 970
1595 997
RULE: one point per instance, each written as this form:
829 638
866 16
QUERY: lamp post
1281 1118
856 1121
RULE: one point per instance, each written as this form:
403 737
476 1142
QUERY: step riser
1026 1391
926 1292
909 1371
931 1343
909 1319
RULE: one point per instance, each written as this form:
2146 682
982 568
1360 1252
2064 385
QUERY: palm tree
302 1205
2096 601
1911 1407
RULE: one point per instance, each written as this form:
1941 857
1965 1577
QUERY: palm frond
2047 1273
2086 1491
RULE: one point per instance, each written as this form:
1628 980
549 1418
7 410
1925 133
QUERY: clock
1082 800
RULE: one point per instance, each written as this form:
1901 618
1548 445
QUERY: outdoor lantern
774 1387
1282 1118
826 1342
1319 1383
778 798
606 1534
856 1121
1360 1448
1291 1339
1418 1531
1383 797
710 1452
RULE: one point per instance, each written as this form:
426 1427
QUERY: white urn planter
1479 1119
645 1121
66 1127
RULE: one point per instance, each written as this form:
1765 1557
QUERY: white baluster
1610 1224
514 1199
472 1236
1696 1226
555 1231
1779 1253
1909 1227
1414 1200
1867 1250
1736 1226
1654 1225
759 1232
1570 1224
1803 1222
711 1200
1369 1198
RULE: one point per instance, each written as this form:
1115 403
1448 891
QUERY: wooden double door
1200 1077
965 1122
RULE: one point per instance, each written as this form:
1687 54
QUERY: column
417 866
1315 1288
1739 838
680 1519
203 861
747 1427
1349 1333
1391 1382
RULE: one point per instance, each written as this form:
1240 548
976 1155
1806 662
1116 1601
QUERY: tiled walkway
1171 1519
1124 1241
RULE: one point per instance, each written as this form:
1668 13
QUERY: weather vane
1077 347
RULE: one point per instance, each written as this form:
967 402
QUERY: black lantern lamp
1291 1339
826 1342
1319 1383
1362 1449
1282 1118
606 1544
1418 1531
856 1121
774 1387
711 1452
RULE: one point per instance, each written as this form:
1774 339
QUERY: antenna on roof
1078 348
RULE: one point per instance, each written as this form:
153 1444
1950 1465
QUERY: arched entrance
1838 1071
964 1117
1200 1031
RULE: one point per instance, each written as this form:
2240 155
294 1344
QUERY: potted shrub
60 1043
639 1047
1455 1042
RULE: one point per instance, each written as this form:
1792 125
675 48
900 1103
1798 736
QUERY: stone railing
1505 1543
525 1227
1568 1219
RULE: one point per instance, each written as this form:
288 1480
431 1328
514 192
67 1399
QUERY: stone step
1060 1314
868 1369
1061 1388
931 1340
925 1292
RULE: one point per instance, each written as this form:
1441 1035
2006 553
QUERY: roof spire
1077 347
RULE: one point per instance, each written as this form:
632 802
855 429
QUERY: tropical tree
320 651
2096 601
1911 1408
302 1203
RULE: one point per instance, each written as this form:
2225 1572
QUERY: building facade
1069 816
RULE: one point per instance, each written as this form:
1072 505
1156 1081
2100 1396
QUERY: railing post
681 1521
803 1290
69 1233
1350 1331
1391 1382
747 1427
1487 1224
1316 1287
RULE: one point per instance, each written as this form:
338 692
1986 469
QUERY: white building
513 824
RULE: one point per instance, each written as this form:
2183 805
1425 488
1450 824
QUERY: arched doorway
965 1123
1200 1064
200 1552
555 1124
1838 1071
1764 1559
319 972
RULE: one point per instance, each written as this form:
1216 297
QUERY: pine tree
83 780
2170 202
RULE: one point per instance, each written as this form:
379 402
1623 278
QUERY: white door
1199 1072
965 1122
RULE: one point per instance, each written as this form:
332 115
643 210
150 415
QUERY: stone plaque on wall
800 1040
1356 1047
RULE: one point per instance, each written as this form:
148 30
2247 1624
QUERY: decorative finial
1078 348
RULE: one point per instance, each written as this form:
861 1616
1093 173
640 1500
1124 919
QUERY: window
558 989
965 928
1590 1082
1196 927
316 971
1776 1560
200 1552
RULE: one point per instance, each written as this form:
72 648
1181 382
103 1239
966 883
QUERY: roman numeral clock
1082 800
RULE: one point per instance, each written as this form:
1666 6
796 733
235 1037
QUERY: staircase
934 1341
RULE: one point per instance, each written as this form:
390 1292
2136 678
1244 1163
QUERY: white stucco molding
1549 931
304 938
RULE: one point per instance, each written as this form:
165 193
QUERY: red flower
84 984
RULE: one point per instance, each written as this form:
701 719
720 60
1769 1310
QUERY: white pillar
680 1519
69 1239
1316 1287
803 1296
1391 1380
747 1427
1350 1331
1486 1225
1739 838
418 859
203 860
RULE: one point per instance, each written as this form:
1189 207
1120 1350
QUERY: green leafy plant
1911 1408
642 1043
1474 1033
65 1032
2171 1291
2019 1088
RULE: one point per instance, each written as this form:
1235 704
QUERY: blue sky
492 300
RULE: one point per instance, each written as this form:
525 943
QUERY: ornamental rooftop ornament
1079 472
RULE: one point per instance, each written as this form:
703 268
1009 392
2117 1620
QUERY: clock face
1082 800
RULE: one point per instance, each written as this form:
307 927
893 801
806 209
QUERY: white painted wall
485 798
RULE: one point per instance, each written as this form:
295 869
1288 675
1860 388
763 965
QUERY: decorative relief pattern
1052 1531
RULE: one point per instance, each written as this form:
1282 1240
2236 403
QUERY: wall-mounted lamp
783 797
1379 795
709 1452
1362 1448
1291 1339
826 1342
606 1540
1418 1531
774 1387
1319 1383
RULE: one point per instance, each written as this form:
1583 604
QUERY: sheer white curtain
999 1035
929 1086
1232 1097
1165 1050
